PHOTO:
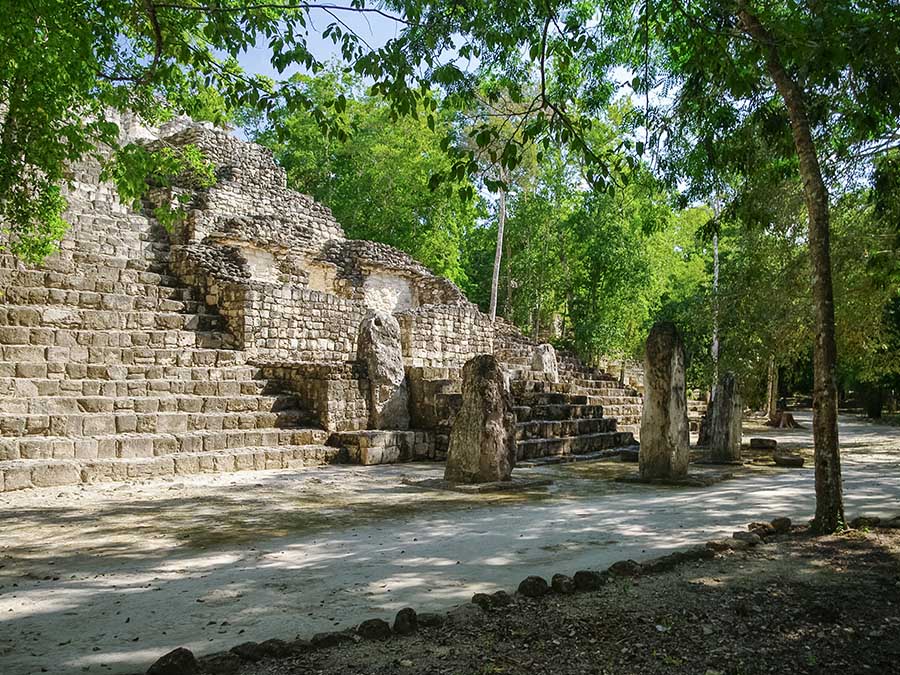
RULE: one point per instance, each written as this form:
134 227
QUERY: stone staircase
553 419
110 369
578 379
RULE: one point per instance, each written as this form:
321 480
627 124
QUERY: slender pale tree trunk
714 350
829 491
498 252
772 390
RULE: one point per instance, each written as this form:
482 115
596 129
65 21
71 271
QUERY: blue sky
373 28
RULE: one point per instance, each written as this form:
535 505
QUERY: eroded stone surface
665 434
482 441
545 361
379 348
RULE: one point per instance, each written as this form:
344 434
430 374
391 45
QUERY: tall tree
730 61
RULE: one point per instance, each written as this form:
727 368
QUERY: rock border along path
120 574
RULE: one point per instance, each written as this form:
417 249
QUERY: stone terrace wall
445 336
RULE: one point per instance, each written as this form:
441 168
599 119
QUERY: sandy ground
107 578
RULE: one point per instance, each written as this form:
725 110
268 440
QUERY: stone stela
665 430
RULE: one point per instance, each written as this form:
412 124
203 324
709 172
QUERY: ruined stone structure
232 342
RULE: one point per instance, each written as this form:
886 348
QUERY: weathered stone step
557 412
139 386
107 279
613 400
632 428
563 428
178 302
149 257
608 391
23 474
549 398
81 424
84 256
34 361
572 445
624 410
79 318
135 444
165 403
50 344
129 289
598 383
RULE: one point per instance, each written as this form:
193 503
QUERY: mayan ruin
449 337
232 344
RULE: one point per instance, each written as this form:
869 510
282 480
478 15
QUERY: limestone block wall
287 322
444 335
335 392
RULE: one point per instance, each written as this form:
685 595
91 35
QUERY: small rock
301 646
430 620
533 587
719 544
275 648
867 522
762 529
501 599
483 600
790 461
179 661
751 538
625 568
248 651
661 564
374 629
588 580
406 622
562 584
329 639
223 663
697 552
464 614
781 524
406 663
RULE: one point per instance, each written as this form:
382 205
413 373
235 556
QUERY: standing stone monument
665 432
544 361
723 421
483 437
379 348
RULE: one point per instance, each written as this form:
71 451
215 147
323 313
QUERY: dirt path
804 606
106 578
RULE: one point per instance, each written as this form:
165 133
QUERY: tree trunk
772 390
829 492
498 253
